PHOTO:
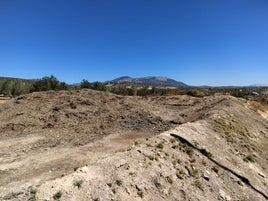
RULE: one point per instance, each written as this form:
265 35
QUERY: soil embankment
87 145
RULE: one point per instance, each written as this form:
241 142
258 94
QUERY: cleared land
109 147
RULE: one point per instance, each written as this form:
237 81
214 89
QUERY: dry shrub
259 105
196 93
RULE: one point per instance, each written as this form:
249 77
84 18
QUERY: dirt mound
86 114
217 149
222 156
166 168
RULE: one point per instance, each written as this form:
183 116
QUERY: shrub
169 180
48 83
151 157
85 84
206 153
189 150
198 184
180 173
118 182
32 194
57 195
250 158
215 169
140 193
160 145
78 183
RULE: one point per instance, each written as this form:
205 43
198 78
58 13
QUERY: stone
84 169
224 196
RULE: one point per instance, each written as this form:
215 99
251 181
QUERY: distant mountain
151 80
122 79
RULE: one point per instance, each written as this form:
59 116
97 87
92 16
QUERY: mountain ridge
149 80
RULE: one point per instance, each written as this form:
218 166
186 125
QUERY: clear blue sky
208 42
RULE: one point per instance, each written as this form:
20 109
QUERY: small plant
204 162
32 194
160 146
215 169
193 172
136 143
206 153
78 183
131 173
195 143
118 182
250 158
174 146
148 145
192 160
151 157
174 162
169 180
172 140
140 193
198 184
180 173
113 190
179 161
57 195
96 199
189 151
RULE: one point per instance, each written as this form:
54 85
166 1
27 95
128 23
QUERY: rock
261 174
84 169
128 191
138 188
165 192
206 175
224 196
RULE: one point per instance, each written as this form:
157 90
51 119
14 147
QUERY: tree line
14 87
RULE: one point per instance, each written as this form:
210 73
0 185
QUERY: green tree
6 88
48 83
99 86
85 84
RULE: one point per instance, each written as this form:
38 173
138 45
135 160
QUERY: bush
48 83
78 183
118 182
198 184
140 193
160 145
85 84
250 158
57 195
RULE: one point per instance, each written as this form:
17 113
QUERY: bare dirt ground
50 135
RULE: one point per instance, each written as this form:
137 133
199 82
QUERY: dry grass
259 105
231 128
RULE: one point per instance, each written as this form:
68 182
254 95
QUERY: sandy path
36 166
